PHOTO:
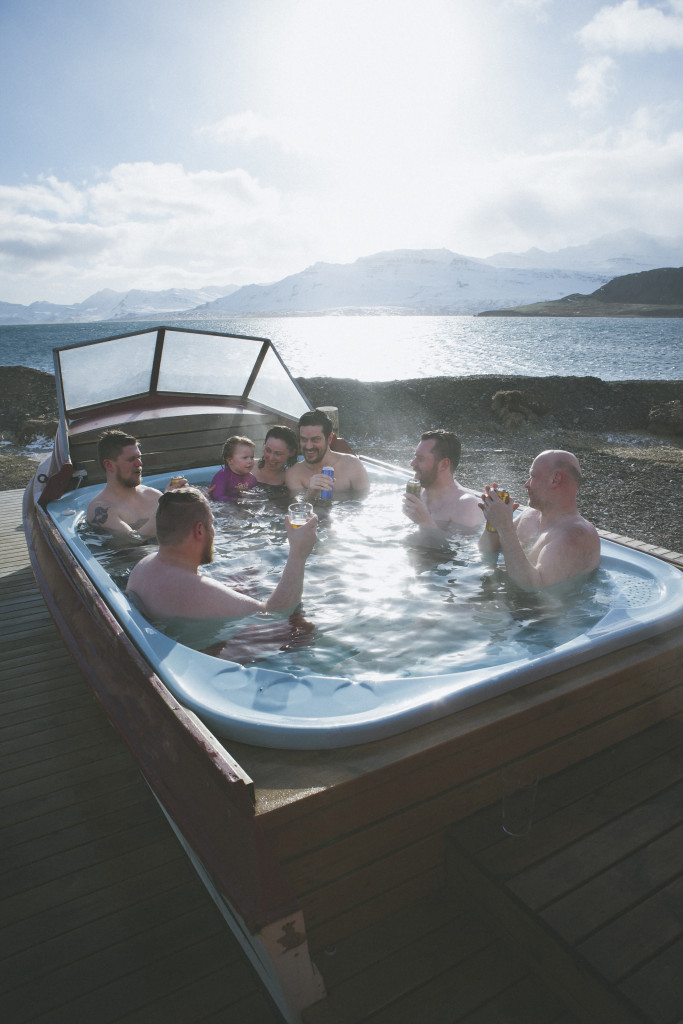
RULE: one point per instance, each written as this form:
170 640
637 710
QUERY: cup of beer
506 498
299 513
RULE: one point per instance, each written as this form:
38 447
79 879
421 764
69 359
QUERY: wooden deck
594 893
103 917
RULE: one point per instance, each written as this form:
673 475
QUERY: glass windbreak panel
204 364
274 388
107 371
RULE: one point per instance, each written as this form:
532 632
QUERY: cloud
248 127
626 28
595 84
144 225
630 28
630 177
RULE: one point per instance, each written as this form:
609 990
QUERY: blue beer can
327 471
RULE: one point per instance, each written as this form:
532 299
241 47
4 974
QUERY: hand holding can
504 496
327 471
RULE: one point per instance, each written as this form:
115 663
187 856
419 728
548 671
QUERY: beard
207 552
427 476
314 458
129 481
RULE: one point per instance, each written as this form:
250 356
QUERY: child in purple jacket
236 477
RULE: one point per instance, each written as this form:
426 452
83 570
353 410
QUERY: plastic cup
299 513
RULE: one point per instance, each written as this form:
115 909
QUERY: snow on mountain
625 252
402 281
417 281
110 305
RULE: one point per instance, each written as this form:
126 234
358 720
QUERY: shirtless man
125 505
444 506
350 474
549 541
167 583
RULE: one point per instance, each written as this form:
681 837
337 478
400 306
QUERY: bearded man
349 474
168 584
444 505
125 505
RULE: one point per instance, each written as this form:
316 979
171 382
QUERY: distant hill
401 282
650 293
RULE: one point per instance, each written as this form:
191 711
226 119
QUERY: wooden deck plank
102 916
595 891
434 962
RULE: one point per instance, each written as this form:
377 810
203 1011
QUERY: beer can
327 471
414 487
505 496
176 480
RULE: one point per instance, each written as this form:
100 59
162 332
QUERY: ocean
381 348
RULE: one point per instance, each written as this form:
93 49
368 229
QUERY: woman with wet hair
280 450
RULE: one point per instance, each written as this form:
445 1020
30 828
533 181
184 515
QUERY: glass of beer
299 513
505 496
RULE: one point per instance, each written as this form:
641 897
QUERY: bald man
549 541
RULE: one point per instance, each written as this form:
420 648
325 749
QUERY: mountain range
402 281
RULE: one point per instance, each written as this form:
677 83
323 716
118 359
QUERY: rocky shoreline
633 477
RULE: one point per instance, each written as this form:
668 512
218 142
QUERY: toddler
230 482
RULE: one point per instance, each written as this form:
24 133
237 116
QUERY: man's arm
416 510
287 593
567 551
360 481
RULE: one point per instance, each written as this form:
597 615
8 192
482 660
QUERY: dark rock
514 408
31 430
25 394
666 418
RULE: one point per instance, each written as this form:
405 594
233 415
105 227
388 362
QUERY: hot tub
266 704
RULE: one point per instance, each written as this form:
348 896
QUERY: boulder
666 418
31 430
515 408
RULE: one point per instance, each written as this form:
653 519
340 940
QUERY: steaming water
375 606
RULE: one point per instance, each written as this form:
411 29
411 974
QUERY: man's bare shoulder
297 474
350 468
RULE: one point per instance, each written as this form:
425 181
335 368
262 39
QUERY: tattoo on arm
100 515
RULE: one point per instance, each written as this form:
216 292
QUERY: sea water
380 348
376 604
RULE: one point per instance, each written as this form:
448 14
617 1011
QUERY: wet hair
231 444
177 513
287 435
446 445
111 443
317 418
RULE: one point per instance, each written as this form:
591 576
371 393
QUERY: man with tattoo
125 505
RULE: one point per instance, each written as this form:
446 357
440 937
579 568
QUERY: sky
171 144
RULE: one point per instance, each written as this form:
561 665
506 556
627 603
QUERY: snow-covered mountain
625 252
110 305
418 281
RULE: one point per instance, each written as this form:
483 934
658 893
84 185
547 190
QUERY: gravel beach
633 478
